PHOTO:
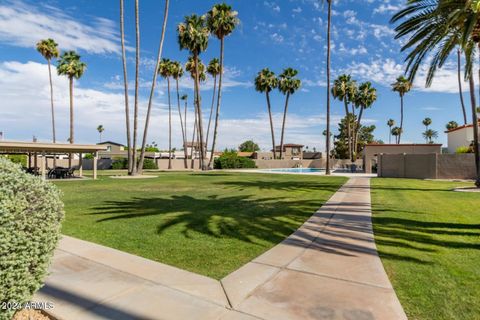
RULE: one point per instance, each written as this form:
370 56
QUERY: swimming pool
296 170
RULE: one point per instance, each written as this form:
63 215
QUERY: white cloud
23 25
26 112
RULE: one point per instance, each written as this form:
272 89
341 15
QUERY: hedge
231 160
30 219
122 163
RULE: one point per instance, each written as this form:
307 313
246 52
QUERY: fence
427 166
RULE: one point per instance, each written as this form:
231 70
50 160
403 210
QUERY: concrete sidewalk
327 269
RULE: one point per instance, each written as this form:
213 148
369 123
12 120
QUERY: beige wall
315 163
372 150
427 166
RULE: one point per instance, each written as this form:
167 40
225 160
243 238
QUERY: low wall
427 166
178 164
316 163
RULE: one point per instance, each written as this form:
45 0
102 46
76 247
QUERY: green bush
231 160
149 164
30 219
120 163
88 156
464 149
18 158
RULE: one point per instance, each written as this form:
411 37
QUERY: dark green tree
365 136
248 146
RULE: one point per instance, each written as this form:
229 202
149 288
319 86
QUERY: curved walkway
328 269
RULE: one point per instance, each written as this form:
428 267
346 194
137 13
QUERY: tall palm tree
213 69
402 86
100 130
185 98
288 85
125 84
426 122
193 35
429 135
48 48
433 29
364 99
459 77
390 124
451 125
165 70
177 73
266 81
221 20
135 101
396 131
340 91
152 89
327 137
70 65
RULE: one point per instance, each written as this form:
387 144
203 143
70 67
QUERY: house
459 137
114 150
291 151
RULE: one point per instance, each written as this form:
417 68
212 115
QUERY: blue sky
275 34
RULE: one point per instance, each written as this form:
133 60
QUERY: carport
36 148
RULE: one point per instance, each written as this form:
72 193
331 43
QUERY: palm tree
177 73
221 21
396 131
152 89
340 91
364 98
426 122
459 77
288 85
390 124
402 86
135 164
429 135
434 28
48 48
451 125
185 98
266 82
100 130
193 35
70 65
213 69
125 83
329 26
165 70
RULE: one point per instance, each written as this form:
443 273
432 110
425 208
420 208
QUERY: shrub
30 218
120 163
88 156
149 164
18 158
231 160
464 149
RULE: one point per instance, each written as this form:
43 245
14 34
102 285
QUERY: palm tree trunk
135 108
181 125
327 170
389 135
283 124
357 129
199 114
460 91
192 154
219 101
211 109
71 120
125 82
349 129
475 130
152 91
401 120
169 126
186 131
271 124
54 140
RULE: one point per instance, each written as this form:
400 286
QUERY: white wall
459 138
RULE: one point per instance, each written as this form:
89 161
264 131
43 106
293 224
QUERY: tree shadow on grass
283 185
239 217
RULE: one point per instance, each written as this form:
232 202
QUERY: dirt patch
30 315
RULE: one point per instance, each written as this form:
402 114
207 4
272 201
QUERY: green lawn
429 241
210 223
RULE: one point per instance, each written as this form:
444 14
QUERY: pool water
297 170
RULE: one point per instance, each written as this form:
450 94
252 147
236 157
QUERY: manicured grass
210 223
429 241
